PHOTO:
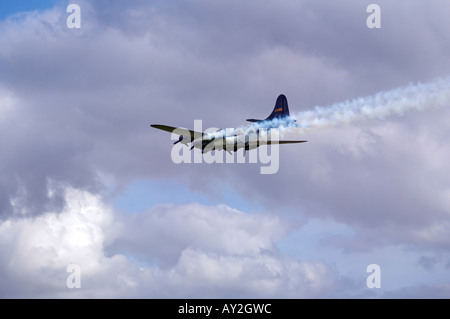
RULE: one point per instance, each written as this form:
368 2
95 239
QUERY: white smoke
394 102
254 128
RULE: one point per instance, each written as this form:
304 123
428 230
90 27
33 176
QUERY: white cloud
216 252
7 104
38 250
259 276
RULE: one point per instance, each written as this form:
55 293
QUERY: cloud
36 251
222 229
75 109
201 251
260 276
388 181
438 291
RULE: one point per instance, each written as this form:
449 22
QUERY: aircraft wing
180 131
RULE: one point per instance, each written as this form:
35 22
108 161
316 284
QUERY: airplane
232 139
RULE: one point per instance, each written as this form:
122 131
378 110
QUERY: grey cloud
388 181
85 100
102 98
429 262
424 291
221 229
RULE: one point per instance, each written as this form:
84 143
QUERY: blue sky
11 7
86 180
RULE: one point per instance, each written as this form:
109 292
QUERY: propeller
179 140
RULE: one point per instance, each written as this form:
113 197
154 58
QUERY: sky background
86 181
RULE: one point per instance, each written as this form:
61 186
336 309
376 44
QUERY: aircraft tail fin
280 110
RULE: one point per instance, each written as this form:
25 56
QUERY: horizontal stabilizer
253 120
285 142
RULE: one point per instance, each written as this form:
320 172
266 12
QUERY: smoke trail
398 101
